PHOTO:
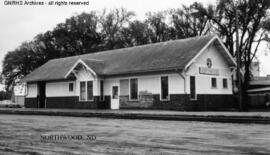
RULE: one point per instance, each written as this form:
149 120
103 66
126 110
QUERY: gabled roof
96 66
169 55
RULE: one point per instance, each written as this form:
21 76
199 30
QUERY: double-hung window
90 95
70 87
214 82
82 91
164 88
101 90
133 89
225 83
86 91
193 95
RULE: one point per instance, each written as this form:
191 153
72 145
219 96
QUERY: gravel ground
20 134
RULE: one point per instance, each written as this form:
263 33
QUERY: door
193 95
115 97
41 94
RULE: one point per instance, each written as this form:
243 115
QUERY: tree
186 22
18 63
137 33
159 29
78 35
252 19
112 25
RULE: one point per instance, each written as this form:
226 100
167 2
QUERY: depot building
187 74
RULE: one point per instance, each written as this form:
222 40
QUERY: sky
19 23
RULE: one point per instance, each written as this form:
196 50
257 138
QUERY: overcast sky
22 23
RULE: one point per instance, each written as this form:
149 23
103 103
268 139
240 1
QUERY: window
70 87
86 90
193 95
214 82
133 89
115 92
90 90
225 83
164 88
101 90
124 87
82 91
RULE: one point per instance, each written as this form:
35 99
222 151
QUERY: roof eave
149 71
47 80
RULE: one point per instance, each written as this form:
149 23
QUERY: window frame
130 99
86 91
161 92
101 97
80 98
212 86
70 87
195 94
117 87
223 80
87 95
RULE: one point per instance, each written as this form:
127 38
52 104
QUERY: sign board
208 71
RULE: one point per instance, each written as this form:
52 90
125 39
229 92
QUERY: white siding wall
176 84
151 83
97 87
203 82
54 89
31 90
60 89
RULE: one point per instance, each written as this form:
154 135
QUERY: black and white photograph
135 77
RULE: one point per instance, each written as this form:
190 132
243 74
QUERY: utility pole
238 59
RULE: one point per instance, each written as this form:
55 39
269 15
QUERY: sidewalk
229 117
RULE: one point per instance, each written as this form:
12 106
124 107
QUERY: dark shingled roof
152 57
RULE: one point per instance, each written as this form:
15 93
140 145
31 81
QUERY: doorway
41 98
115 97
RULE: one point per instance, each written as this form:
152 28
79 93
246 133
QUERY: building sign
208 71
